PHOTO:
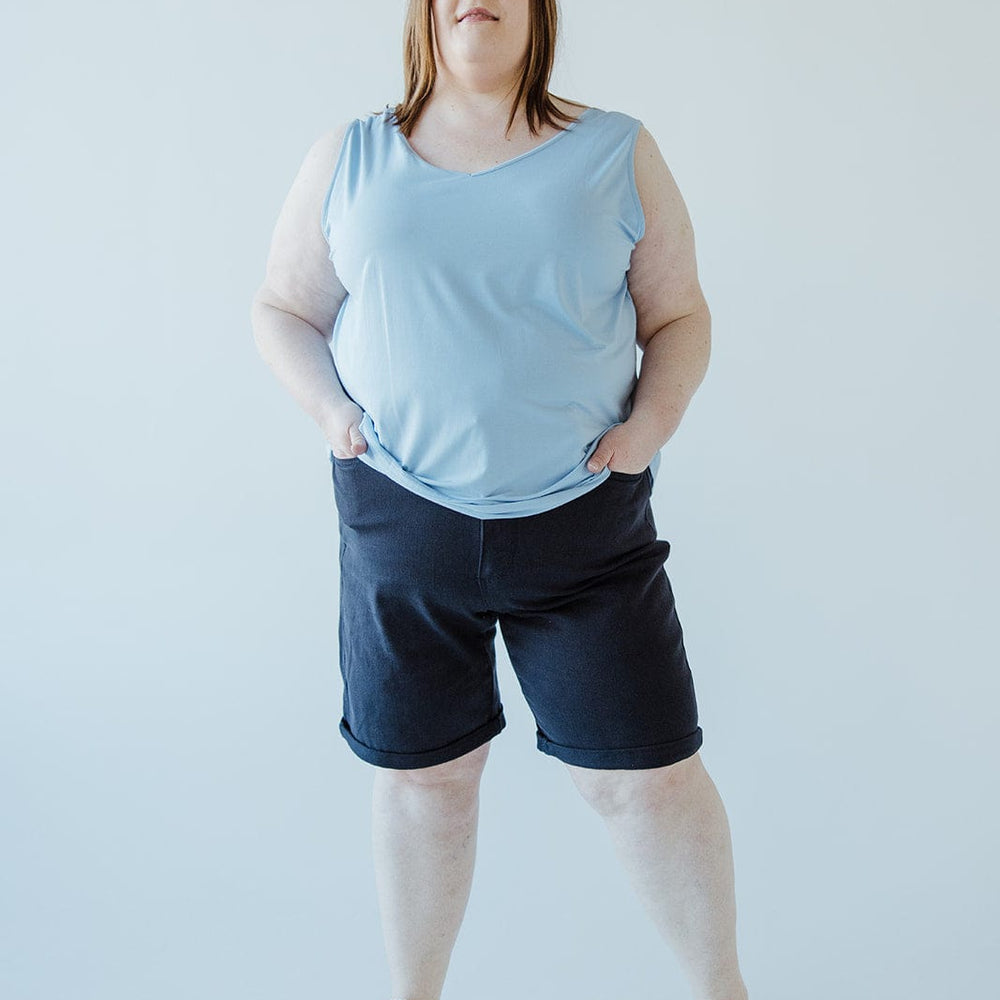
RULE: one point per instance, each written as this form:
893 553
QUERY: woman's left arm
673 324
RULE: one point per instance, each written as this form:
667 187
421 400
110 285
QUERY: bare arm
294 310
673 323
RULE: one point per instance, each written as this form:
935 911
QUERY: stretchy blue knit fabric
488 333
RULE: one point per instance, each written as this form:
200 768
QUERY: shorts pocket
626 476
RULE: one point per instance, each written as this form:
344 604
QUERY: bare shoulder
663 273
658 190
300 277
326 148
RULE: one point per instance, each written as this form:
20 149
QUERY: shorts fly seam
479 565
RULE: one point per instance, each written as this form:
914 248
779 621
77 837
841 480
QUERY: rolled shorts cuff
424 758
628 758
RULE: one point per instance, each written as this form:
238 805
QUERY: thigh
417 651
594 636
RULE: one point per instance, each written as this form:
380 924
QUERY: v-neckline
497 166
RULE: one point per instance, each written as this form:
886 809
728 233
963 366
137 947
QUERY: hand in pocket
342 431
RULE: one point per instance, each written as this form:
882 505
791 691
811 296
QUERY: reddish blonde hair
419 69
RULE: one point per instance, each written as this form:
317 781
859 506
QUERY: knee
457 776
611 792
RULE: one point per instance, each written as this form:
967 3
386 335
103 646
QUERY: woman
483 259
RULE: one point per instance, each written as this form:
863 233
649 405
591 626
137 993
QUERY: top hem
481 509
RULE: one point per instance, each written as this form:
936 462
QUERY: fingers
598 460
358 444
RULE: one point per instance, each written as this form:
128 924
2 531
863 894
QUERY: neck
472 101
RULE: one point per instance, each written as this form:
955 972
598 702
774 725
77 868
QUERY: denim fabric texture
581 597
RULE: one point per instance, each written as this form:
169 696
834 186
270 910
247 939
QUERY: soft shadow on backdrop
181 817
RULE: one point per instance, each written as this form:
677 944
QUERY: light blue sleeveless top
488 334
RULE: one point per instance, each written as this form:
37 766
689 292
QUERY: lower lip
476 17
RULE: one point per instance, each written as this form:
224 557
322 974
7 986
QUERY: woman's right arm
294 310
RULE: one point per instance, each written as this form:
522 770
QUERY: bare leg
670 830
424 825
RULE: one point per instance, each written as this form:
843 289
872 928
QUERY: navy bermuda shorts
582 600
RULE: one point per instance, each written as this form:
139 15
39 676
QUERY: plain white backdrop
180 816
